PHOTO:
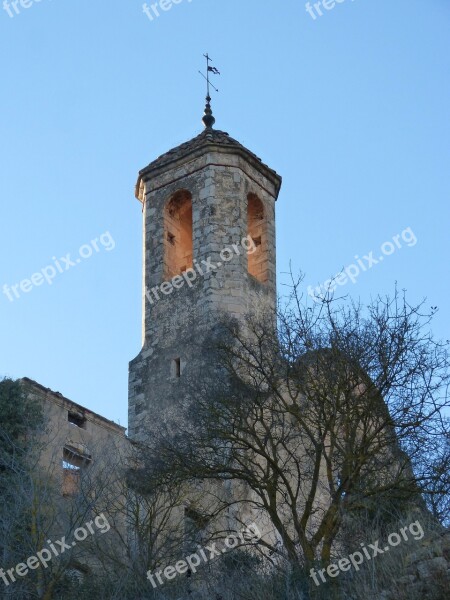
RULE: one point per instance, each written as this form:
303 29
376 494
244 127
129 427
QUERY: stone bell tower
209 249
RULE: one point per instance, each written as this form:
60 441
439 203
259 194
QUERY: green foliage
18 414
19 420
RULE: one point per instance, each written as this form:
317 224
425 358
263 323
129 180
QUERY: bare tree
319 412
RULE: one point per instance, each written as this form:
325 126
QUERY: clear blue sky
351 108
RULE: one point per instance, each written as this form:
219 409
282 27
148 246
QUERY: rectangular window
73 462
77 419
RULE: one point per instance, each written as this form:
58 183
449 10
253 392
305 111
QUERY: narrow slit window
177 367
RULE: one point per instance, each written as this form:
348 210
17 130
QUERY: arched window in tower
257 230
178 234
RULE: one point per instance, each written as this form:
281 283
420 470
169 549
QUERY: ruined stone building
72 489
74 436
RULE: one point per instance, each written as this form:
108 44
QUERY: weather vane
208 118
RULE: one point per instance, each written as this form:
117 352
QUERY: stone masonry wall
176 323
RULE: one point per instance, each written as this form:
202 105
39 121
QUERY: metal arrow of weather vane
208 119
209 69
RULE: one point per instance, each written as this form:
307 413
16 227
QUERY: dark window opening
77 418
75 459
176 365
